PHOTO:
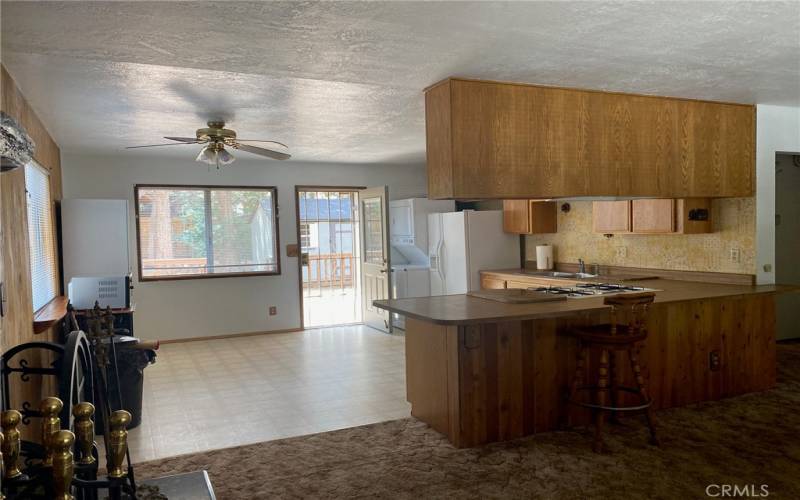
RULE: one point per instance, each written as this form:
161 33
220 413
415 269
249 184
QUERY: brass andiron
50 408
63 464
9 420
84 431
118 443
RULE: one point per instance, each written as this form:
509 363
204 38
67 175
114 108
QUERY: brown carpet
747 440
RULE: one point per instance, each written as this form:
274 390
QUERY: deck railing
332 270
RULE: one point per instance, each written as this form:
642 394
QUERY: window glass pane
40 236
243 231
373 232
199 231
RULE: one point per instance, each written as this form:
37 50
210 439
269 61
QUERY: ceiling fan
216 137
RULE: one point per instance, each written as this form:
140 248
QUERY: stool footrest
631 390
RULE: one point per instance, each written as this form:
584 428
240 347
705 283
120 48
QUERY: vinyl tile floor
205 395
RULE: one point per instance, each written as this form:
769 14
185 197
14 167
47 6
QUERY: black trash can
131 362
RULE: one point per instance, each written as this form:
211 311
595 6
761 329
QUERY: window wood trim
274 190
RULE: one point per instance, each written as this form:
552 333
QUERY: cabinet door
693 216
516 218
542 216
653 216
520 284
488 283
611 216
529 216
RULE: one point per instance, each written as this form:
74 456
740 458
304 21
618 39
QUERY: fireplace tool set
58 470
66 460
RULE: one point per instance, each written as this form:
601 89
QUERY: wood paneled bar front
479 377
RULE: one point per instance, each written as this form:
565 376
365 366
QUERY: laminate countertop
464 310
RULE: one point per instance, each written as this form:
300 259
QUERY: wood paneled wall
17 325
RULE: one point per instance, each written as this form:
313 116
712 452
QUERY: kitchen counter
481 371
465 310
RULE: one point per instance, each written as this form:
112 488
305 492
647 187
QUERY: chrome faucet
581 266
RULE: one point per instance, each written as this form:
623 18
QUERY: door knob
383 270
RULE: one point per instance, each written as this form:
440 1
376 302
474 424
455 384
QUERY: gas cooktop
585 290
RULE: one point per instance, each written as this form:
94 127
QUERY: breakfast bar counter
480 371
464 310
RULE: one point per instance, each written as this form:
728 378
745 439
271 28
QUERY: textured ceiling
341 81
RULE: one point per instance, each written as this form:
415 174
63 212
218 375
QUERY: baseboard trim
230 336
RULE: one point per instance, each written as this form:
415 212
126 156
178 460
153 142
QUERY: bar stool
610 339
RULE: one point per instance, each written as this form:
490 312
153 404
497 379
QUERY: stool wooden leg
577 380
602 389
614 378
649 413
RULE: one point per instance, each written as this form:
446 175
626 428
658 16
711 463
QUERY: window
373 231
40 235
206 232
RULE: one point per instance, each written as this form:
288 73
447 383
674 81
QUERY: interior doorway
330 269
787 242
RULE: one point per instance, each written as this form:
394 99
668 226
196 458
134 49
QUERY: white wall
777 130
220 306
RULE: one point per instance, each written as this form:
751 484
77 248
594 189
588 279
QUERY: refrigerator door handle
440 268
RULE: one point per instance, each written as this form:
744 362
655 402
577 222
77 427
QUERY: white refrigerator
460 244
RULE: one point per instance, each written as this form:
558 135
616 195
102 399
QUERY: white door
375 265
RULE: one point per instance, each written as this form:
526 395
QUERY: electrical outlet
736 255
622 252
273 310
714 361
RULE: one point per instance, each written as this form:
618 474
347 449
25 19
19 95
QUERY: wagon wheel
76 383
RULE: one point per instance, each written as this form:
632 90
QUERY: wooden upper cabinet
529 216
610 217
490 140
653 216
693 216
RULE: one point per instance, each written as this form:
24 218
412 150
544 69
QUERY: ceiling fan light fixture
224 157
215 154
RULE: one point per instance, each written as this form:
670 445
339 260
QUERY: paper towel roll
544 257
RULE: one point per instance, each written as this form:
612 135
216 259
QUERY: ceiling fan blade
167 144
183 139
258 140
275 155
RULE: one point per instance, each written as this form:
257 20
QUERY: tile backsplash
734 229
